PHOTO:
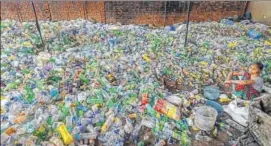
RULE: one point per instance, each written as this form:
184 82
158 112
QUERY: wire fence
129 12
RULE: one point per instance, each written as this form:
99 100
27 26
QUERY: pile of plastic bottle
94 82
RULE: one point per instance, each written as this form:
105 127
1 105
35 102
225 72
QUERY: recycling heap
109 82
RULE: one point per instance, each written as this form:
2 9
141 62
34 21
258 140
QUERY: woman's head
255 68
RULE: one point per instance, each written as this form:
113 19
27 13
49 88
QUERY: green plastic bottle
141 143
30 95
185 140
95 100
41 132
13 85
110 103
84 79
65 110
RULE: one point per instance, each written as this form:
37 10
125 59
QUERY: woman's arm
241 82
234 73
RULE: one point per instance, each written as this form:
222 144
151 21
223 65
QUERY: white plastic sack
267 89
238 114
174 99
42 58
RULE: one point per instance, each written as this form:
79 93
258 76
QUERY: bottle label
132 116
144 98
168 109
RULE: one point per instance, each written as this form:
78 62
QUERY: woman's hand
228 83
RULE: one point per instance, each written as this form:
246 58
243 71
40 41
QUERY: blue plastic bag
227 22
211 92
254 34
216 106
172 28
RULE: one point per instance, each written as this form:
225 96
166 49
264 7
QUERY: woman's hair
259 64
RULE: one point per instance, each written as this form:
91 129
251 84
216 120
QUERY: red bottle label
144 98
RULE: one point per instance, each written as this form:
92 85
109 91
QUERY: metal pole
0 25
37 23
165 13
245 7
187 23
104 11
85 10
18 12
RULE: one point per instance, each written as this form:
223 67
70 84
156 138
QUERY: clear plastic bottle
88 135
147 123
73 112
86 121
135 132
4 138
56 141
108 123
161 143
128 127
69 122
98 118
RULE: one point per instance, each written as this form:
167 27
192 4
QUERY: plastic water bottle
161 143
88 135
107 123
4 137
185 140
128 127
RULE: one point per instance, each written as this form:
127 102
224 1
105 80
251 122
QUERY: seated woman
251 84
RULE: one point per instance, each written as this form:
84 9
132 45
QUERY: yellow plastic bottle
67 138
232 44
108 123
146 57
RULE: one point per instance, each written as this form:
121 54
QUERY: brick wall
144 12
156 13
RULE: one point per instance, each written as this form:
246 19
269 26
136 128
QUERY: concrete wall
261 11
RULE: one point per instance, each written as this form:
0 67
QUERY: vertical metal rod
165 13
245 7
85 10
187 23
37 23
18 12
0 25
104 11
